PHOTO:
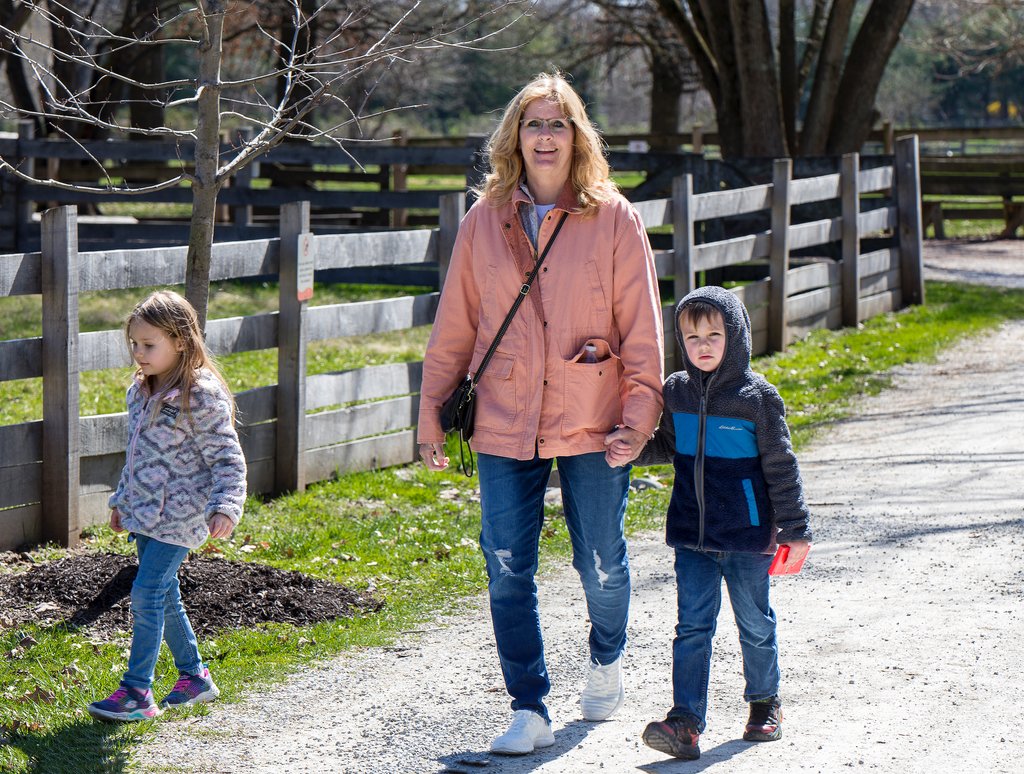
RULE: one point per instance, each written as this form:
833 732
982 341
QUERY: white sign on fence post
307 263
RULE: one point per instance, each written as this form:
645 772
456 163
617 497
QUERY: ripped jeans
512 503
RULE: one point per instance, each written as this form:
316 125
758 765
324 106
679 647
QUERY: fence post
298 261
24 205
451 209
61 450
683 240
477 166
908 205
400 178
697 138
850 185
241 214
887 137
782 173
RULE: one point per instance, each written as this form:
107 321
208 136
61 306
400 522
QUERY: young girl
183 480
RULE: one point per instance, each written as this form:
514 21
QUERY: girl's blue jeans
157 613
699 577
512 503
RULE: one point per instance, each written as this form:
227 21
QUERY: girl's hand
433 456
623 445
221 526
115 520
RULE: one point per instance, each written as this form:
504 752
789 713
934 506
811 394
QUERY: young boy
737 495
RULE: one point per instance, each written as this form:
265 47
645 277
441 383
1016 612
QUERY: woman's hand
221 526
115 520
433 456
623 445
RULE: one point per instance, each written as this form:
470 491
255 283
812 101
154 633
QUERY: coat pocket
752 511
496 404
591 401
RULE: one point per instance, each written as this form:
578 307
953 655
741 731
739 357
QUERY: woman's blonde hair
172 314
589 171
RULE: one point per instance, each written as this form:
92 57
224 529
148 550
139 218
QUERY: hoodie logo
730 427
170 411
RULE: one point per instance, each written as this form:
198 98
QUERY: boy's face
705 341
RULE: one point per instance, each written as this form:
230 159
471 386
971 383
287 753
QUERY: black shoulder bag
457 412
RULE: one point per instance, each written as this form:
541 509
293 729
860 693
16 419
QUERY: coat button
545 382
508 225
540 441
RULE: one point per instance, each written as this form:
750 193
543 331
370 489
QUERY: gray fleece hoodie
181 467
737 483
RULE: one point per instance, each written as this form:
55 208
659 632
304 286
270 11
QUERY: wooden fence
56 474
361 187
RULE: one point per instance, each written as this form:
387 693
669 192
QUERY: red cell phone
789 559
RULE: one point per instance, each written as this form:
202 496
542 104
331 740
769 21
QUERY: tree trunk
207 161
821 106
788 91
21 92
855 111
761 110
300 34
146 66
729 105
666 91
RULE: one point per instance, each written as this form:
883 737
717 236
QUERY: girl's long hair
589 171
170 313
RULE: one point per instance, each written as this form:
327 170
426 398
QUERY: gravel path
900 640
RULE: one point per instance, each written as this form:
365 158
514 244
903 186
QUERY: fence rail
56 474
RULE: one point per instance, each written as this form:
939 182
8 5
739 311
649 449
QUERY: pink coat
598 284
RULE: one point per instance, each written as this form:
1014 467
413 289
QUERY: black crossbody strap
519 300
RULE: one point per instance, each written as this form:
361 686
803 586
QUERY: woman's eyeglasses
552 125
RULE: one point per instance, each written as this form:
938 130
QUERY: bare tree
303 88
757 76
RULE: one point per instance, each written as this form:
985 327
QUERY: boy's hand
433 456
221 526
623 445
115 520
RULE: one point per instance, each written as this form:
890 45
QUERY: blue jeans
157 613
699 588
512 504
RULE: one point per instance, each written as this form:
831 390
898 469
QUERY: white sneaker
604 693
528 732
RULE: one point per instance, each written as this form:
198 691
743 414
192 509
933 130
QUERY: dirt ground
92 591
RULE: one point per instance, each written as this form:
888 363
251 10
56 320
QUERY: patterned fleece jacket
737 483
181 467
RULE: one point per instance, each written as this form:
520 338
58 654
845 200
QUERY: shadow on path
566 738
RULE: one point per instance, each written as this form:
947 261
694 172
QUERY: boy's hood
736 360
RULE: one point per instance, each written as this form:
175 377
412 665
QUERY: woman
540 399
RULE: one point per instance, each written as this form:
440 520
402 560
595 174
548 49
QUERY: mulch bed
92 591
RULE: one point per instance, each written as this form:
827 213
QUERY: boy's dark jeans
699 588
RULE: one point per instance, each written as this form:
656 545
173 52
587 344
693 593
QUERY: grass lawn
410 536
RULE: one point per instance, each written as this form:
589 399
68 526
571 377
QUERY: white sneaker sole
122 717
505 749
203 698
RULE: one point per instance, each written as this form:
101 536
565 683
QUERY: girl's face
154 351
